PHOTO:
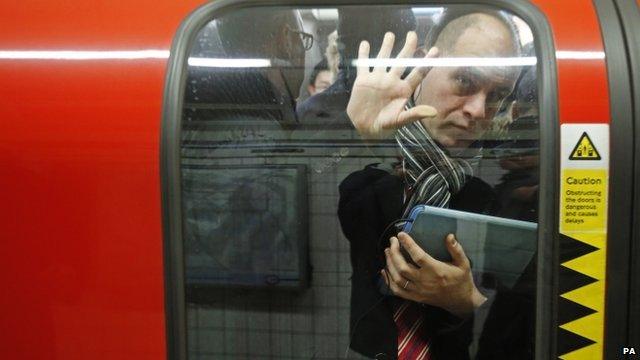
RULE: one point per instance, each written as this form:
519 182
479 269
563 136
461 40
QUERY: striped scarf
432 176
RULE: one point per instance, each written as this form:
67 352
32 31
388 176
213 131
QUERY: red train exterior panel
81 219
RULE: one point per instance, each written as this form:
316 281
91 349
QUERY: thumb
410 115
457 252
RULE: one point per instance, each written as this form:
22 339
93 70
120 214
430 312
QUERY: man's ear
283 45
311 89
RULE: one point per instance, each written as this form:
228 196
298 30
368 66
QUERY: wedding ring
405 284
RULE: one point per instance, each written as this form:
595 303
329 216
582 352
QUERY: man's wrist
474 301
477 299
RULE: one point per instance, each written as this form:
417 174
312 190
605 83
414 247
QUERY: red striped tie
412 340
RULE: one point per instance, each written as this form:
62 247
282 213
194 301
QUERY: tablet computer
499 246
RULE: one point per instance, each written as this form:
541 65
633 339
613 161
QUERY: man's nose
475 106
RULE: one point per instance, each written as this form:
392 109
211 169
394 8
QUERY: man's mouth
465 129
462 127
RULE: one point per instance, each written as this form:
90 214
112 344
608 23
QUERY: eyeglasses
306 38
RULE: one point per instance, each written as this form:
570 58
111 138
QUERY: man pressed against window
431 113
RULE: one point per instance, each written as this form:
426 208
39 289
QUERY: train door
630 18
282 207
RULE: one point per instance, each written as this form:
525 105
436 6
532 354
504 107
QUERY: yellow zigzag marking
594 239
589 326
592 264
591 296
591 352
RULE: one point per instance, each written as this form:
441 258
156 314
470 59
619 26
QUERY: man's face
467 98
322 82
292 50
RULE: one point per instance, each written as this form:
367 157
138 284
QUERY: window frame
548 233
619 28
629 13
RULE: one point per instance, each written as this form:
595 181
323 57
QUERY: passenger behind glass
253 92
431 114
274 34
320 79
354 25
517 192
332 54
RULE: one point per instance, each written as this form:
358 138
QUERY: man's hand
376 106
446 285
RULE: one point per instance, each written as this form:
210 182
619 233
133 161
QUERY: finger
385 50
418 73
385 277
410 115
399 291
410 44
363 56
404 269
387 280
419 256
394 274
457 252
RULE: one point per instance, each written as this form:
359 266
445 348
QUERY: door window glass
311 142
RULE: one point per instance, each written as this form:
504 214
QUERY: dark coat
371 200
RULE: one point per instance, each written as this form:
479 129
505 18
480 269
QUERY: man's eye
464 83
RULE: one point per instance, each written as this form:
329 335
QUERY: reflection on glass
293 198
242 225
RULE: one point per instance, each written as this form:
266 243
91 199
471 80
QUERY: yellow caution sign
583 200
584 149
